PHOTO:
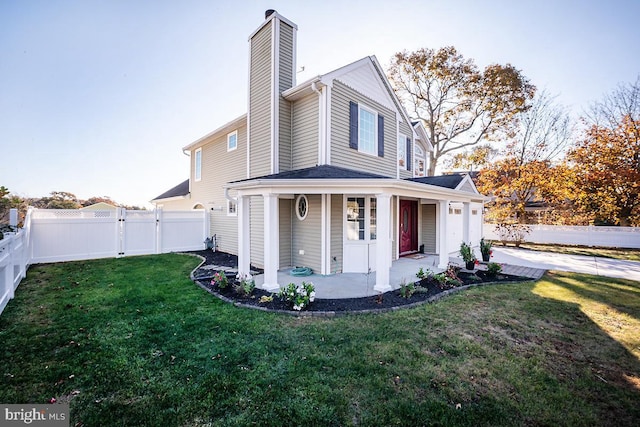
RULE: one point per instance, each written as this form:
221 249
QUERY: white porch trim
443 252
244 241
271 242
383 249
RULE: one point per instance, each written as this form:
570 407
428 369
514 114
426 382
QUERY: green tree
459 105
57 200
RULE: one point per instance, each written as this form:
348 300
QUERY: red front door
408 226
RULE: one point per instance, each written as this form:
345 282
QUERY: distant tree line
55 200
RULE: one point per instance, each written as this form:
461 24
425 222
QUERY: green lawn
133 342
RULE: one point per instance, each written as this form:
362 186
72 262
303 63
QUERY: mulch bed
383 302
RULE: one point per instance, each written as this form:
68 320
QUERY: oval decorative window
302 207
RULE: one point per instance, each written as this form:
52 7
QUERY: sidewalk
574 263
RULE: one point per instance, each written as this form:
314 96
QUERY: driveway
575 263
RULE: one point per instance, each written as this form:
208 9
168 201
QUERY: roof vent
268 13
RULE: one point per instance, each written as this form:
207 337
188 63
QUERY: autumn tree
10 201
607 158
459 105
474 158
529 170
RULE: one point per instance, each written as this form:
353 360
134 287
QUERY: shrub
245 284
512 233
421 274
407 289
298 296
493 269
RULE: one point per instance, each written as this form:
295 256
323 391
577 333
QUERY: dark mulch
386 301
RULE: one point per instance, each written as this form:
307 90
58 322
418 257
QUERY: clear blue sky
97 97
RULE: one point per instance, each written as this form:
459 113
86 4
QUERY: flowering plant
220 279
485 248
245 284
298 296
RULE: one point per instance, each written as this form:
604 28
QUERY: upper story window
366 130
232 140
198 165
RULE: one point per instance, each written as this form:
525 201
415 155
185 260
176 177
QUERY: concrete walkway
574 263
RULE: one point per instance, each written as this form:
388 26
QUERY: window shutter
380 136
409 154
353 125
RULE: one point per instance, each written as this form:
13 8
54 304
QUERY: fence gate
71 235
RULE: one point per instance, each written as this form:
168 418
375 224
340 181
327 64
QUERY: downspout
321 148
228 197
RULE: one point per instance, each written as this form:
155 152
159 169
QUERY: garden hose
301 271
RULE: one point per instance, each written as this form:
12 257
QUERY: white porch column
383 243
443 251
244 241
466 218
271 242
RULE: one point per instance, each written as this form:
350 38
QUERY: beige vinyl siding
307 235
405 130
285 82
305 132
337 216
257 231
395 227
219 167
428 237
260 102
341 154
286 213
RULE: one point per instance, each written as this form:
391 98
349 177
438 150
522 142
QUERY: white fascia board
422 131
303 89
393 186
222 130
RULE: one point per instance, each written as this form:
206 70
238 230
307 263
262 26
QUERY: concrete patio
403 270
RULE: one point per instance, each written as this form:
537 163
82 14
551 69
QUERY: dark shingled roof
320 172
181 189
447 181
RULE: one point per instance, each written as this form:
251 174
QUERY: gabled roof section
422 134
365 75
180 190
318 172
461 182
222 130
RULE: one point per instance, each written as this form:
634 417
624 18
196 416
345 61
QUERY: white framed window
232 208
474 212
402 151
198 165
367 131
232 141
302 207
361 218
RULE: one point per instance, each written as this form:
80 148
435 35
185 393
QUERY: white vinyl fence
613 237
52 235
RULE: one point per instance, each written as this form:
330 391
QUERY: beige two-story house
328 173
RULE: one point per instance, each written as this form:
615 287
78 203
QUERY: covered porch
357 285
